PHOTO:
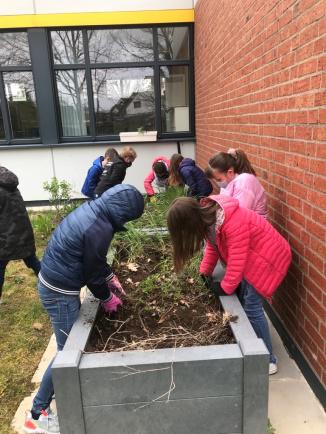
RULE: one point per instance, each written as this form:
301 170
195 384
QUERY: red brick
263 89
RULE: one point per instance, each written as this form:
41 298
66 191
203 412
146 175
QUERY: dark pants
31 262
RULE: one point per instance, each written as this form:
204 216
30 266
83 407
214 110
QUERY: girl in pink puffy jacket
158 176
255 254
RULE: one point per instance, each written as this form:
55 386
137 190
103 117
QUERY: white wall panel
16 7
32 166
74 6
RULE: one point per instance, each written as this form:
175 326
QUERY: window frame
47 99
4 108
155 64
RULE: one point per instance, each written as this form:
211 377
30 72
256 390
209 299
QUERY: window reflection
20 93
173 43
174 98
73 102
123 99
67 47
120 45
14 49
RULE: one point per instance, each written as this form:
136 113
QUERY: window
115 93
175 98
19 116
89 84
115 80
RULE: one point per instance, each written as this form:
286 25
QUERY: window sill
102 143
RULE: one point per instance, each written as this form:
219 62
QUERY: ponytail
175 178
235 159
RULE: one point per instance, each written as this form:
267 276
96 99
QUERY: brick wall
260 85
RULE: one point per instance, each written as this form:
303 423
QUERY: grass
21 345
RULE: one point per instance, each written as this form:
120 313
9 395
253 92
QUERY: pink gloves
112 304
115 286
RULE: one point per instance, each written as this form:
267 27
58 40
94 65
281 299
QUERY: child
159 176
184 171
255 254
76 256
16 233
237 178
94 172
115 173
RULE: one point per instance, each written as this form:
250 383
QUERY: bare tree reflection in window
173 43
121 45
67 47
14 49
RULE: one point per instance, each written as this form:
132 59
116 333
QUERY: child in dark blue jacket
94 173
76 256
185 171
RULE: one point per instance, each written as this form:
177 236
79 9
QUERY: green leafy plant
60 198
270 428
43 224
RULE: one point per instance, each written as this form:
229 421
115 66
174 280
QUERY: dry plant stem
115 332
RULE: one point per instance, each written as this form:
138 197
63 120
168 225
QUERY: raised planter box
220 389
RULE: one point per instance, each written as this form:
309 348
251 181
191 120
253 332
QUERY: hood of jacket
98 162
8 180
120 204
187 162
228 204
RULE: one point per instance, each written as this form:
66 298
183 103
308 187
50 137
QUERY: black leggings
31 262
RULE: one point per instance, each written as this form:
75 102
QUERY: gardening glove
115 286
112 304
213 286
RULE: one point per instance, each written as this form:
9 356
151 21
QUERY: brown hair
110 153
234 159
209 172
160 169
175 178
128 151
188 225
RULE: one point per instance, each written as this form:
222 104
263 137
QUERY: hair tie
233 153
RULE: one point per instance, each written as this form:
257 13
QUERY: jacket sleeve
189 179
209 260
148 183
97 272
238 241
115 175
91 181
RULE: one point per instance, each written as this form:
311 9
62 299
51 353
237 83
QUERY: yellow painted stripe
97 18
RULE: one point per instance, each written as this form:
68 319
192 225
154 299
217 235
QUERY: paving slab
293 407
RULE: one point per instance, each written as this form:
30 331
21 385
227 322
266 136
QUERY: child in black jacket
115 171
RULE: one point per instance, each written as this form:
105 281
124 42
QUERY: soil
161 310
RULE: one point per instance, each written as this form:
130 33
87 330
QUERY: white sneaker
46 424
272 368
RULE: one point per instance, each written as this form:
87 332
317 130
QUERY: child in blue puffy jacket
95 171
185 171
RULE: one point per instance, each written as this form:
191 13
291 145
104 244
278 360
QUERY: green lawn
21 346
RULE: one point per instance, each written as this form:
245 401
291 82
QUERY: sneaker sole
37 431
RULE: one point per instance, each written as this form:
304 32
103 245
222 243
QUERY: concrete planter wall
220 389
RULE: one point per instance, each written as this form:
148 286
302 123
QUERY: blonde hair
128 151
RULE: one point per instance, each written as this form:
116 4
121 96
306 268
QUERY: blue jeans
63 311
252 303
30 262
